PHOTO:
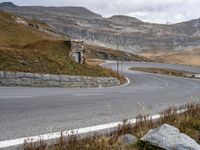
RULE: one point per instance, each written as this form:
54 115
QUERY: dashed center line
12 97
87 94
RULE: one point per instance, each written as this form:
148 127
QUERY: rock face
130 33
170 138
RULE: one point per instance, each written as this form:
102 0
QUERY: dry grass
95 62
47 56
166 71
188 122
189 57
191 60
100 52
13 33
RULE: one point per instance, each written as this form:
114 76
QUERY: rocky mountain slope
129 33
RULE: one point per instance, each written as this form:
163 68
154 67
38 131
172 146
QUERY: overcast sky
157 11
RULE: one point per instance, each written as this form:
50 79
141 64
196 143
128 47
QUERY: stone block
29 75
53 83
66 84
78 79
20 75
55 78
8 82
25 82
2 74
10 75
73 79
38 76
46 77
64 78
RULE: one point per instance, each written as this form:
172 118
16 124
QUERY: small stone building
78 51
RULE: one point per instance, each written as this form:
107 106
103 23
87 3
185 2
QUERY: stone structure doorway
78 57
78 51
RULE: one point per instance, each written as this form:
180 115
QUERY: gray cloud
158 11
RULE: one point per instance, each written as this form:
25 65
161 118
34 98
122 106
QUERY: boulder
128 139
170 138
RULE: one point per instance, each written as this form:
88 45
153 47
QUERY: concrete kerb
104 128
127 79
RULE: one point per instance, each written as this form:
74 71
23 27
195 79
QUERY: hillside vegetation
31 46
190 56
100 52
16 30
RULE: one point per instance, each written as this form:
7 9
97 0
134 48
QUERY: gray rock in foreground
170 138
128 139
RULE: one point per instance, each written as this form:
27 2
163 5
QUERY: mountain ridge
11 4
129 33
7 4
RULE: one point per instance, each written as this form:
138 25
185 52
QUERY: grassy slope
100 52
24 48
187 57
13 33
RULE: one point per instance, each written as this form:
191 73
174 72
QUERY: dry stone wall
49 80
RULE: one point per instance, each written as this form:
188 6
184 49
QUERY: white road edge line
128 82
57 135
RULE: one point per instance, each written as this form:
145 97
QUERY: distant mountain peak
7 4
79 11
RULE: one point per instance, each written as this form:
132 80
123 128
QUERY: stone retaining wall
48 80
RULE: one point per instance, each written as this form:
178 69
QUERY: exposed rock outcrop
170 138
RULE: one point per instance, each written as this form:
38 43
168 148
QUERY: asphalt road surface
33 111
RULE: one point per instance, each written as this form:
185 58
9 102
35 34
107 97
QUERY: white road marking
57 135
87 94
128 82
51 136
12 97
127 79
166 84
